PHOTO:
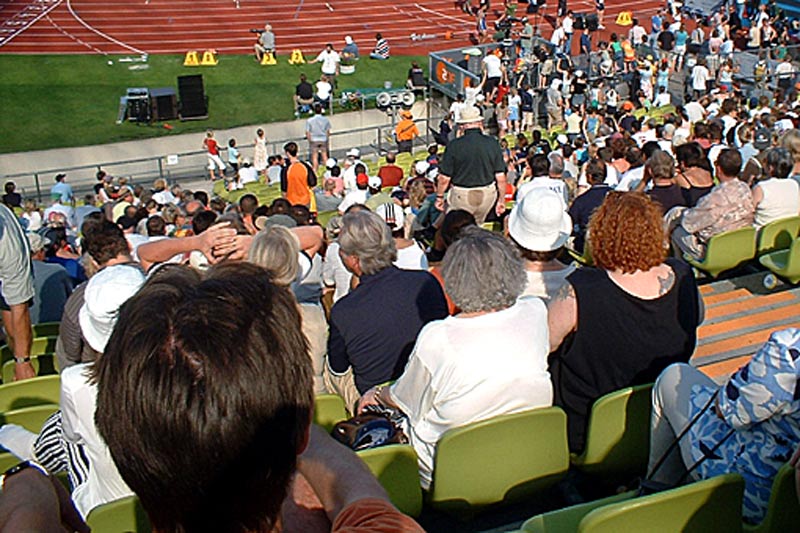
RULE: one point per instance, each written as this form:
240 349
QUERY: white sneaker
18 440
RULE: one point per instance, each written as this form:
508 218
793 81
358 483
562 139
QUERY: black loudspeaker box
592 22
192 97
163 104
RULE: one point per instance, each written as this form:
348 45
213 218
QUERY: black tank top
621 340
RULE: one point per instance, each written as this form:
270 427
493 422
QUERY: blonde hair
791 141
276 248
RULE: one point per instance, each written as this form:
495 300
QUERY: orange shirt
297 191
406 130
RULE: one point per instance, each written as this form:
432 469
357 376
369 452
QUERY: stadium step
740 315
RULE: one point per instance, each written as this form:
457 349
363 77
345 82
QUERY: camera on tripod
256 30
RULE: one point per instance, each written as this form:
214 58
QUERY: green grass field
65 101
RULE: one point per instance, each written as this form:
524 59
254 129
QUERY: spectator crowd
195 331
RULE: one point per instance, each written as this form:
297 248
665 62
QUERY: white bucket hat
469 115
105 293
540 222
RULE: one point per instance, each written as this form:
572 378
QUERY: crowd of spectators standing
196 331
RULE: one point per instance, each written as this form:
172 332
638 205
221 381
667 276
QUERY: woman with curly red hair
621 323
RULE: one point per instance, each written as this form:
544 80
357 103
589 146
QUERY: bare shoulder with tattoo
666 281
564 292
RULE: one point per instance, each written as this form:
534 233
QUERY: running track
175 26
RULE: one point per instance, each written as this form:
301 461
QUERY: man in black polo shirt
303 96
473 168
373 329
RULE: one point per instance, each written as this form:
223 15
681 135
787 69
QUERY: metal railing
373 141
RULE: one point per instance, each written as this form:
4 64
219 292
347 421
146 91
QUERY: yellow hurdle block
297 57
268 59
191 59
625 18
209 59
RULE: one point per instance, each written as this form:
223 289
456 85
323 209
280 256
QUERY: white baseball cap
392 214
375 182
354 152
105 293
540 222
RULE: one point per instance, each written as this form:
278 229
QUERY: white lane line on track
440 14
30 23
101 34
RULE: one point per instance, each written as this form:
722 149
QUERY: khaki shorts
476 200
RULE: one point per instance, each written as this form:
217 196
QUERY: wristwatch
19 468
22 360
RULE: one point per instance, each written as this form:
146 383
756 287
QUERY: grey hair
276 248
779 162
482 271
556 164
366 236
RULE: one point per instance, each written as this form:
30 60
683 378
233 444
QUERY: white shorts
215 162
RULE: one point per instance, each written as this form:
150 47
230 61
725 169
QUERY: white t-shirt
356 196
464 370
694 111
456 108
494 67
248 175
662 99
411 258
334 273
323 90
700 76
630 179
78 403
781 200
558 37
329 61
567 24
546 284
557 186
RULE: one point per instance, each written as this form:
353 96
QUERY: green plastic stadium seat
778 235
618 436
328 410
43 365
46 329
784 263
712 505
783 513
31 418
30 392
325 216
120 516
567 519
505 458
585 258
726 251
39 346
395 466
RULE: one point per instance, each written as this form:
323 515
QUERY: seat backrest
31 418
396 468
503 458
328 410
705 506
729 249
46 329
618 434
778 234
120 516
39 346
783 512
30 392
43 364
